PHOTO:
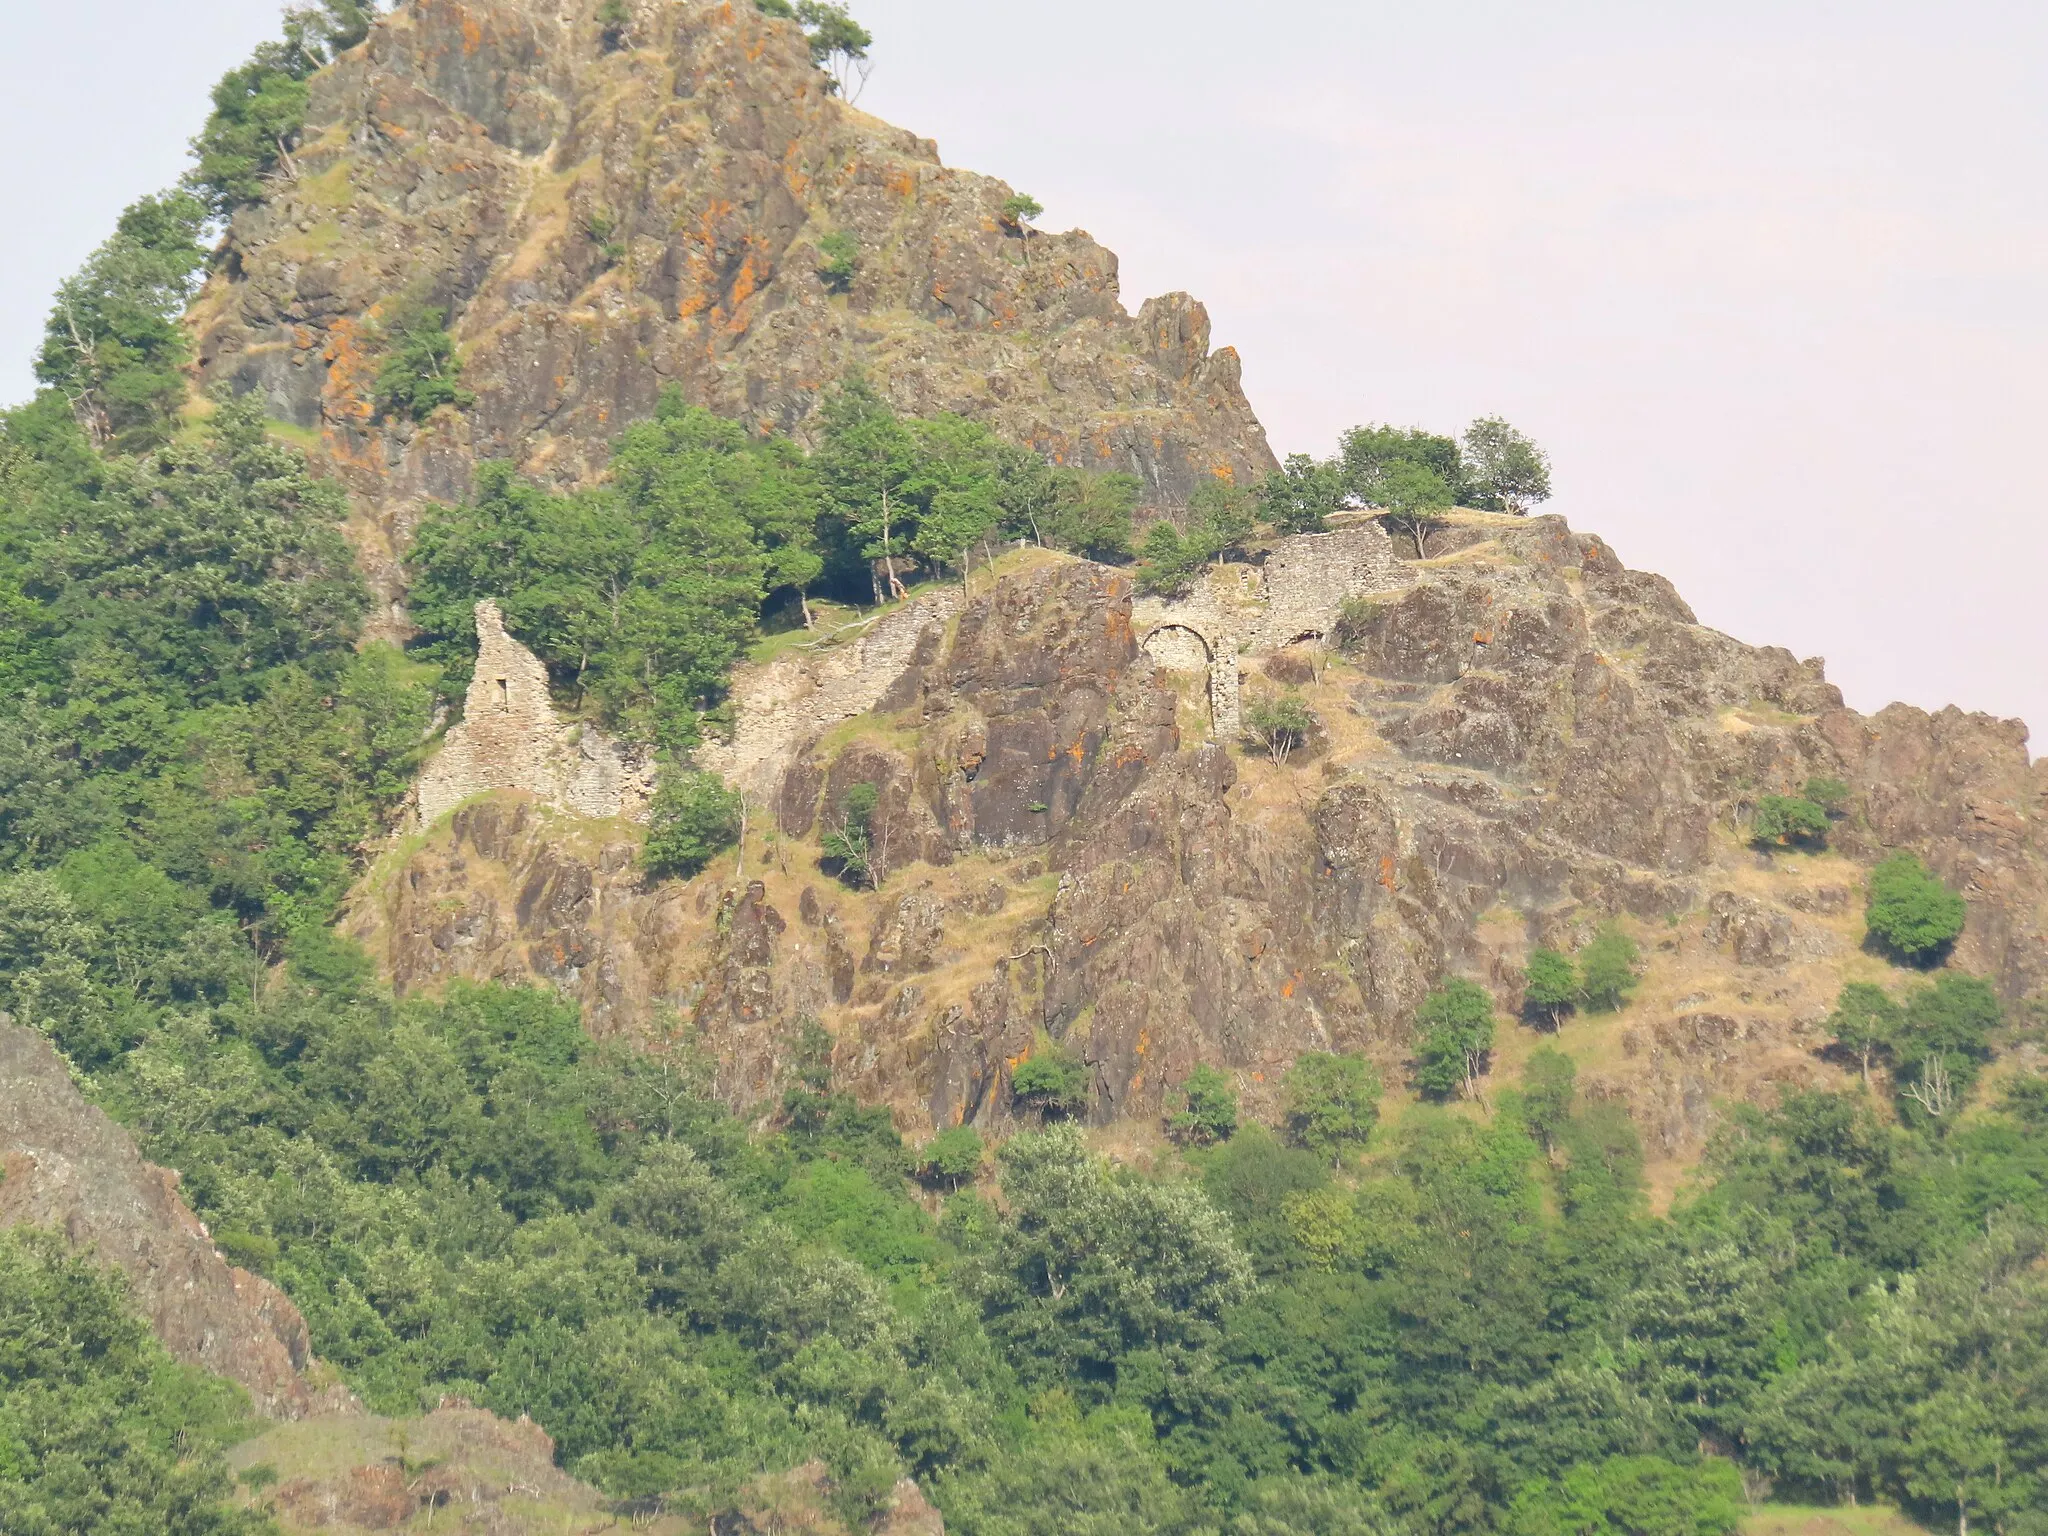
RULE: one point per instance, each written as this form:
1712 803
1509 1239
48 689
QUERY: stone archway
1183 648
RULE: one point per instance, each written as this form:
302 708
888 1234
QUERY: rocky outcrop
509 737
66 1166
1516 743
602 222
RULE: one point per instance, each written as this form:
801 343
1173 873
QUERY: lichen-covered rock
601 224
1493 772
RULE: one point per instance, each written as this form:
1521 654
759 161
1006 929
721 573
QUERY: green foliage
1456 1026
1052 1079
1911 913
694 818
1219 520
952 1158
839 261
851 844
420 372
1865 1022
114 345
1279 723
260 107
1633 1496
1413 496
1020 209
1786 819
1941 1042
1549 1083
1607 970
1831 795
1332 1103
99 1429
638 596
1503 471
839 44
1550 984
614 18
1209 1109
1297 497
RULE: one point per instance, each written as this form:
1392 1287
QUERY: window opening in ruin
504 696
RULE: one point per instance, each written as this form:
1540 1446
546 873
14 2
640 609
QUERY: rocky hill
1519 740
606 212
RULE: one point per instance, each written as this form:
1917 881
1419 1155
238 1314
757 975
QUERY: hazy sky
1769 280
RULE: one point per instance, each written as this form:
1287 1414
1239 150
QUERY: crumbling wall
801 693
1248 610
510 737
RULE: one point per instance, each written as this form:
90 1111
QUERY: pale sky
1770 280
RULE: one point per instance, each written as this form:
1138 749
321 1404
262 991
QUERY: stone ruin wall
509 737
1255 610
802 693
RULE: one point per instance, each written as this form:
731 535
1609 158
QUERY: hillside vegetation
1438 1306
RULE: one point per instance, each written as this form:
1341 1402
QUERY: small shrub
1550 986
614 19
420 372
951 1158
1607 970
603 231
1052 1080
693 819
838 261
1332 1103
1782 820
1279 724
1209 1114
1910 913
851 845
1831 795
1456 1025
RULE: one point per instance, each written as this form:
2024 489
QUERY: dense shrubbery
99 1429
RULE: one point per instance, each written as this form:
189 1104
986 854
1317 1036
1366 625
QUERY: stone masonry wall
510 737
1252 610
802 692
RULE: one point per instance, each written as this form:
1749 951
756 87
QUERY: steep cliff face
1519 741
602 222
65 1165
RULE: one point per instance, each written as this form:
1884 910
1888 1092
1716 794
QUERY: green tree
420 372
1331 1103
1208 1112
1911 913
1410 474
1018 211
1413 496
1090 514
1607 970
1456 1026
1865 1022
114 345
1550 984
951 1158
1941 1043
1170 562
260 107
839 44
1549 1082
1786 819
1052 1080
1279 723
695 816
1302 493
851 844
1831 795
1503 470
99 1430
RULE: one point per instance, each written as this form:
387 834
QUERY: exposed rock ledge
67 1166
